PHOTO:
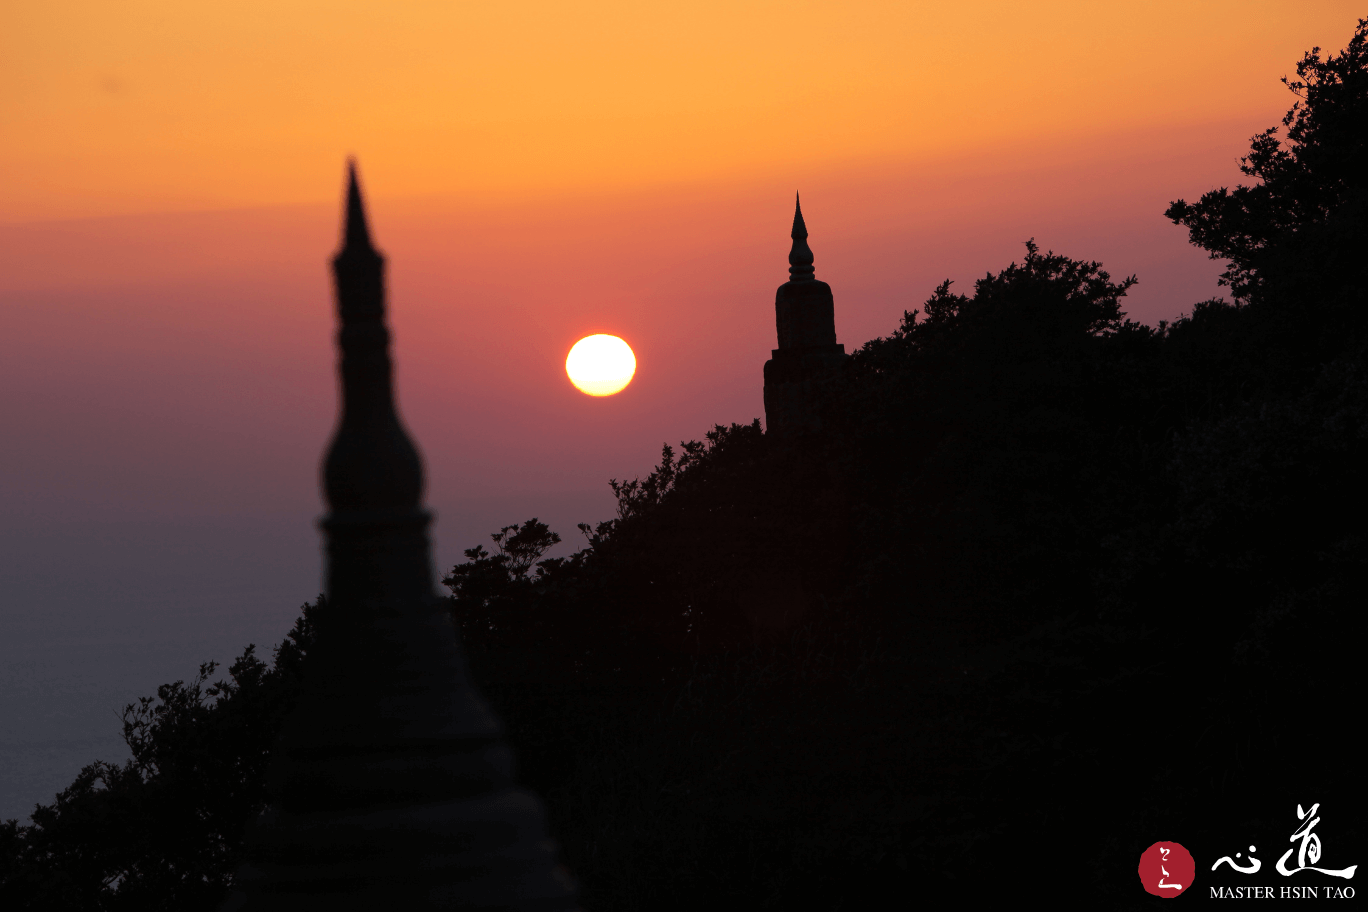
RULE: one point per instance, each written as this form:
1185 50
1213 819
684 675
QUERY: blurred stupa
393 787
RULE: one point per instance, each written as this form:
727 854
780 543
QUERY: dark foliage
1050 586
490 585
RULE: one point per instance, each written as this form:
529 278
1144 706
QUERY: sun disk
600 365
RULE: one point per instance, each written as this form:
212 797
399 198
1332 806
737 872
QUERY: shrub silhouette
164 830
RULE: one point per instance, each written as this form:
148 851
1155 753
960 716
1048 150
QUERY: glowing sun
600 365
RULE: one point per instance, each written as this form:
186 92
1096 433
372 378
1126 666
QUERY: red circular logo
1166 869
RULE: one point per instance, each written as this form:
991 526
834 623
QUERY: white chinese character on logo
1254 863
1310 848
1163 857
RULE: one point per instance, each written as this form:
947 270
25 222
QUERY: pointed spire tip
355 233
800 257
799 226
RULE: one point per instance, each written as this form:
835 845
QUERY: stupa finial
372 463
355 233
800 257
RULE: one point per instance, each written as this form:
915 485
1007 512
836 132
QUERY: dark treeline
1047 586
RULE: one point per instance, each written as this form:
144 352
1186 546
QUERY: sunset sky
128 106
170 193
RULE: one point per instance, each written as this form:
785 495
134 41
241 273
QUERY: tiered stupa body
393 787
808 352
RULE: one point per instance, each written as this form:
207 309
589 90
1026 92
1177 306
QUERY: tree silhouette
1294 240
1302 180
164 830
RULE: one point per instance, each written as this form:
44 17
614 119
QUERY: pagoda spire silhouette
808 353
392 785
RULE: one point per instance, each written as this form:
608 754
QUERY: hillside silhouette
1046 586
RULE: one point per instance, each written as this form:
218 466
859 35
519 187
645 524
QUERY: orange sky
170 176
118 106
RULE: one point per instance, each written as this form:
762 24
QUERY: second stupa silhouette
808 353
